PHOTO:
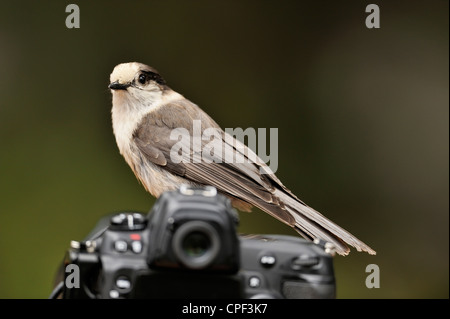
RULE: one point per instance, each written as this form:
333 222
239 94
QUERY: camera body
188 247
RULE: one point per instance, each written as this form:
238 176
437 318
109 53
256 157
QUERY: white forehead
125 72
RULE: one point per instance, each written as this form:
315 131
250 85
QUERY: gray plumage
156 111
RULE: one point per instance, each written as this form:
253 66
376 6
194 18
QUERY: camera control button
136 246
120 246
123 282
254 282
267 260
114 294
118 219
128 221
138 219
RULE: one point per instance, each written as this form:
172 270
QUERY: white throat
128 111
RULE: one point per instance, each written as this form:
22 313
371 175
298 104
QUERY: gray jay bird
146 113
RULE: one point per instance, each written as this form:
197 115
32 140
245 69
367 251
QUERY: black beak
118 86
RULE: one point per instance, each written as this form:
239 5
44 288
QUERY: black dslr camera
187 247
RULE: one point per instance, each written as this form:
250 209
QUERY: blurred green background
362 116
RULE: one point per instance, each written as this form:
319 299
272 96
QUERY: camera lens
196 244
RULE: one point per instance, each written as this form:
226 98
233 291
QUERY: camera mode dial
128 221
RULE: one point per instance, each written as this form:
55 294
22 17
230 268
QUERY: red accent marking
135 237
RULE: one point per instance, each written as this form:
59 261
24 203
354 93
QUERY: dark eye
142 78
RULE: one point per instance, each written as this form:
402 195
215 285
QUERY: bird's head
136 80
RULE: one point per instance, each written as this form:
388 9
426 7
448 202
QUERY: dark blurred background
362 116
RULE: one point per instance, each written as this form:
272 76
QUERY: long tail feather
310 222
